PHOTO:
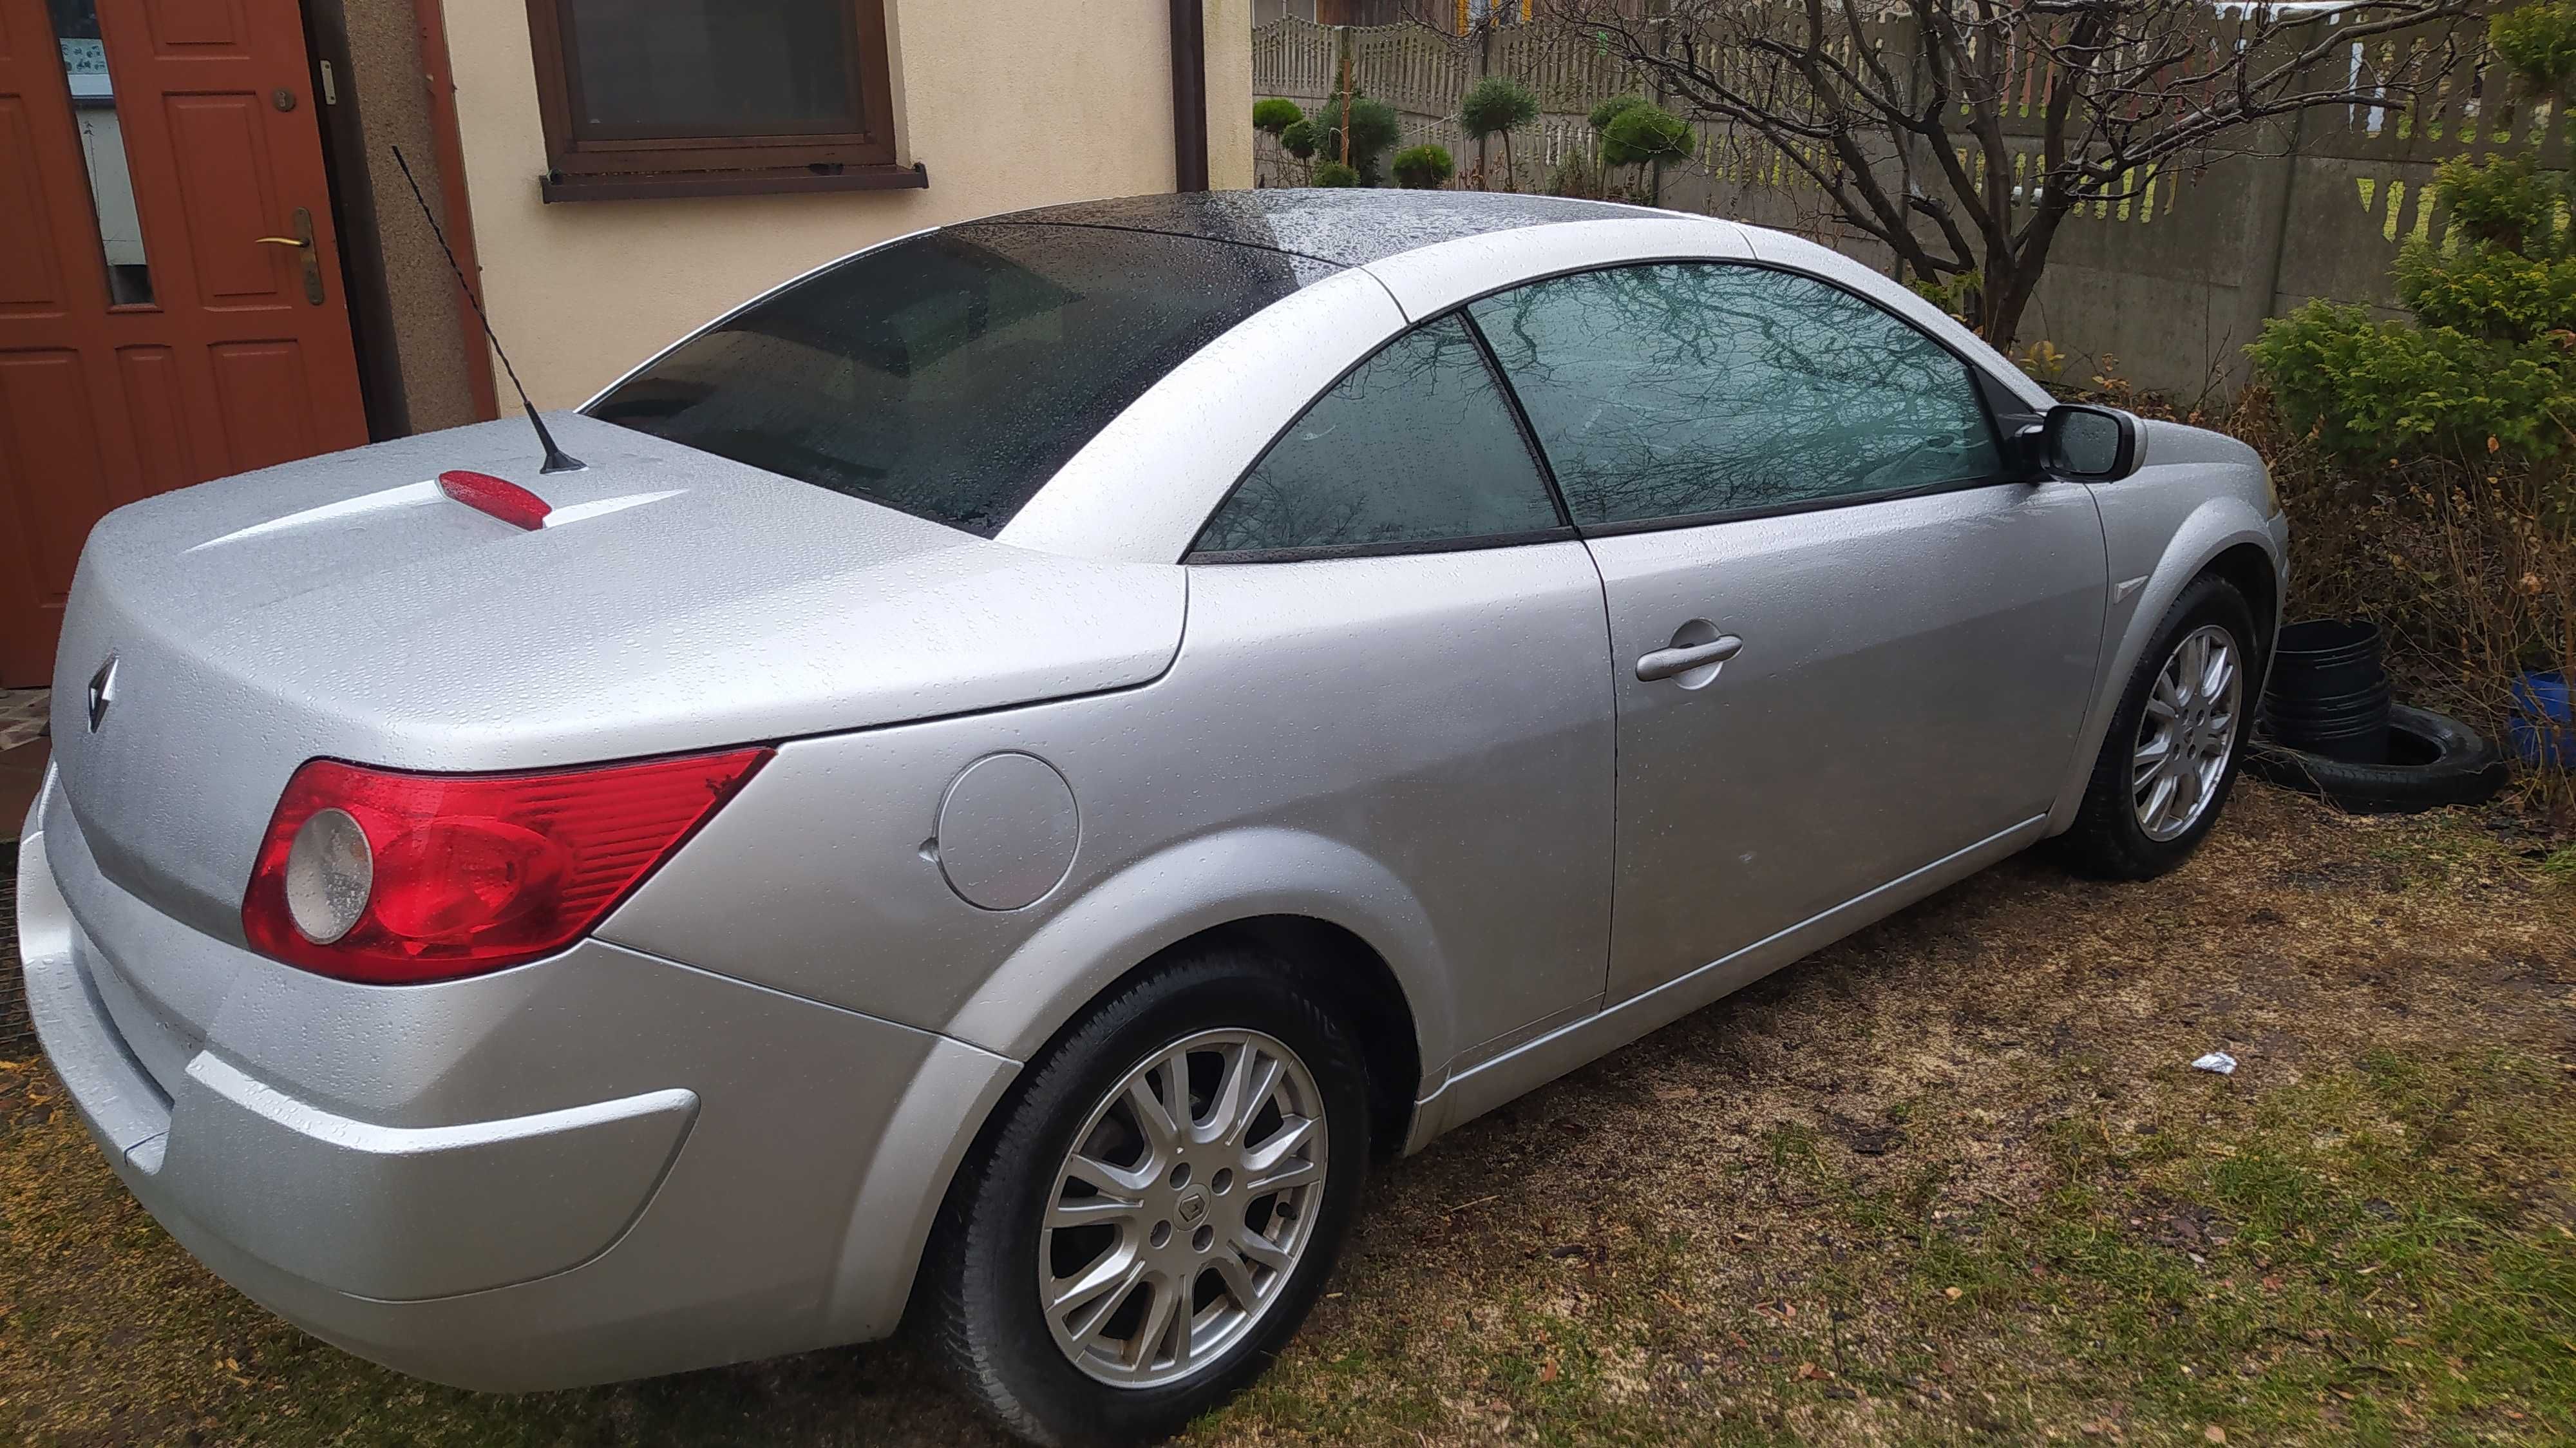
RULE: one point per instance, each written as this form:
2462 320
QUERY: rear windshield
949 375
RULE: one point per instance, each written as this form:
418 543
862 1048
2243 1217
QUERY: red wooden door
170 305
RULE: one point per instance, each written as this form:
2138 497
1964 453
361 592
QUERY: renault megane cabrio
1024 761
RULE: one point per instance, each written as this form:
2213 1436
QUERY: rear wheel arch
1367 998
1353 906
1365 995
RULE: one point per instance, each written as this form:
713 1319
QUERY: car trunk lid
343 606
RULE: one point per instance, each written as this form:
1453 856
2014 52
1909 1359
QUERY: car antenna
557 460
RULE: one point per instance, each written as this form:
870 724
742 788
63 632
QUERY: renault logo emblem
102 692
1193 1207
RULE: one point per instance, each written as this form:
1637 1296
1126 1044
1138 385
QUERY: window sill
786 182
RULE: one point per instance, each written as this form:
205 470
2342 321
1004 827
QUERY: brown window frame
599 167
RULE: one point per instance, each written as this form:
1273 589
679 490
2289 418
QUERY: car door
1396 643
1846 645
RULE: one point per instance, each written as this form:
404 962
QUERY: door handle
1682 658
303 241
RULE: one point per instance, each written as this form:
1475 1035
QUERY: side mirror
2085 443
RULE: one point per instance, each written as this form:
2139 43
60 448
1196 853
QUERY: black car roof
1347 227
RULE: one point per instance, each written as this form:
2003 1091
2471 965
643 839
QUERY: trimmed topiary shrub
1642 133
1275 115
1423 168
1299 138
1334 173
1608 111
1497 106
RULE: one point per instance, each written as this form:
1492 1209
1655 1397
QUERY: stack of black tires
2330 728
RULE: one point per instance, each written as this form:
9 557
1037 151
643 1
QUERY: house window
711 97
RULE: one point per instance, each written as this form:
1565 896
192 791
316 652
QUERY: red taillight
451 874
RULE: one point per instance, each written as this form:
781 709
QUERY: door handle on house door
302 239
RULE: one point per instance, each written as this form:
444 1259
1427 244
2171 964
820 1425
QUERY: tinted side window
1695 388
1415 446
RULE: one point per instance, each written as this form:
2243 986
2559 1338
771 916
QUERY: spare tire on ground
2433 760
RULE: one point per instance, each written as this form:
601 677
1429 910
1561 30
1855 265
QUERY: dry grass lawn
1951 1181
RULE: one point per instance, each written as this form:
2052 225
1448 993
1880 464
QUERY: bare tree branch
1961 134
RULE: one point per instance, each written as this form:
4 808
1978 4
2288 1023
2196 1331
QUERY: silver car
1027 759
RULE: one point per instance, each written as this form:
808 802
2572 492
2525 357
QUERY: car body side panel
2195 495
1415 748
1531 1064
1912 678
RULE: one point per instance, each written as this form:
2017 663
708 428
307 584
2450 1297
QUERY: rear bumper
599 1166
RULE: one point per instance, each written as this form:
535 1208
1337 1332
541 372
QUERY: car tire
978 1310
2112 838
2435 761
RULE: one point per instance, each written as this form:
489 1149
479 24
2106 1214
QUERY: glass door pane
111 181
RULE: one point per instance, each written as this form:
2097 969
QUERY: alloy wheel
1183 1209
2187 734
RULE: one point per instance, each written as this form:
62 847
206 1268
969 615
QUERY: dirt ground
1950 1181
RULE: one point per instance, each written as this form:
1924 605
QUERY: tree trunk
1511 178
2012 276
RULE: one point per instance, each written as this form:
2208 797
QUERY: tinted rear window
951 374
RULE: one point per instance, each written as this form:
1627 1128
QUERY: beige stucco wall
1009 104
1229 73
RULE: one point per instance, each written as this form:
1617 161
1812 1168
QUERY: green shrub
2539 42
2374 391
1300 138
2488 291
1955 294
1644 133
1275 115
1572 176
2486 372
1334 173
1372 128
1604 113
1423 168
2503 202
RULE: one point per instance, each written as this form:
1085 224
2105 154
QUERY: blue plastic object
2542 729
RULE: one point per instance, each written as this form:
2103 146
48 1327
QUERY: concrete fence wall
2163 290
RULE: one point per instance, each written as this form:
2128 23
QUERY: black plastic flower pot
2323 656
2328 694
